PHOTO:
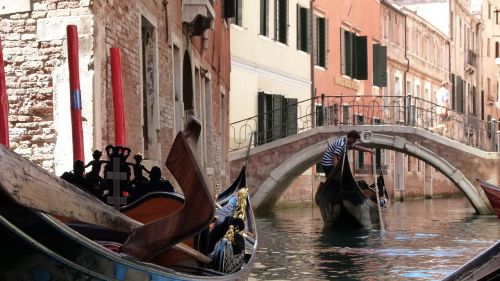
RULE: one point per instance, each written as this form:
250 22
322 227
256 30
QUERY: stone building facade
175 63
418 61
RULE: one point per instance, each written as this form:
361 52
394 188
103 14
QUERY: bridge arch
282 176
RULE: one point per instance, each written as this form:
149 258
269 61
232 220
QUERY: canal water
423 240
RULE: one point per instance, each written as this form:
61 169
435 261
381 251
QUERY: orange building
346 34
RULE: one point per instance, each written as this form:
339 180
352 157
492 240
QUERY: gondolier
337 148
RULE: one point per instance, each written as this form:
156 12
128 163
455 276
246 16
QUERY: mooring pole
76 97
116 77
374 173
4 105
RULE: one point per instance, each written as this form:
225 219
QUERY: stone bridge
272 167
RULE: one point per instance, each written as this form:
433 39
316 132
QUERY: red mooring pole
76 97
4 105
116 78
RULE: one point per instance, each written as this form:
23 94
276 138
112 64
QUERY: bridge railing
363 110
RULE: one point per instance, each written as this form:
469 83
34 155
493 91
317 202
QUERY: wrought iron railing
363 110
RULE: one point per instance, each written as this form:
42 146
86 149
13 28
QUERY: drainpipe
313 93
313 90
407 69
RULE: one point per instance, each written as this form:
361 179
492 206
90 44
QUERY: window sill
320 68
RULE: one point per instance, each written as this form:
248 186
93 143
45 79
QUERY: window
264 17
322 34
282 21
150 98
379 65
303 28
238 20
353 55
232 9
488 47
497 50
345 114
277 117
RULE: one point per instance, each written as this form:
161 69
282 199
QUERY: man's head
445 84
352 137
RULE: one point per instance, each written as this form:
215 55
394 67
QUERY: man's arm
360 148
335 160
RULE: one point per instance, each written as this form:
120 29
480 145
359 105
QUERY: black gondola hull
342 203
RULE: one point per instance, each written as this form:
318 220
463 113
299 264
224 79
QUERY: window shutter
321 42
291 116
305 29
277 116
238 10
319 115
264 22
360 58
282 21
379 65
299 28
453 91
314 50
308 28
261 119
342 52
326 43
228 8
348 39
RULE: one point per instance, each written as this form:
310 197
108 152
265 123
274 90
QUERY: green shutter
321 42
228 8
261 118
360 58
299 28
314 40
291 116
277 116
304 26
379 65
238 12
264 20
282 21
320 118
308 28
348 48
326 43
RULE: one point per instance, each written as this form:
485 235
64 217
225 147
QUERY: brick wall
32 57
35 54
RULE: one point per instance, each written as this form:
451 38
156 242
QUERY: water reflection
423 240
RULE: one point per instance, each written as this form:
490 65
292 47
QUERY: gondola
343 203
160 239
483 267
493 194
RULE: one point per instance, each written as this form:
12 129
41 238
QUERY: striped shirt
336 148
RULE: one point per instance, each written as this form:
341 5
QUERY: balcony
198 15
471 58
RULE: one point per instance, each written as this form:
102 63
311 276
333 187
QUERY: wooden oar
31 186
